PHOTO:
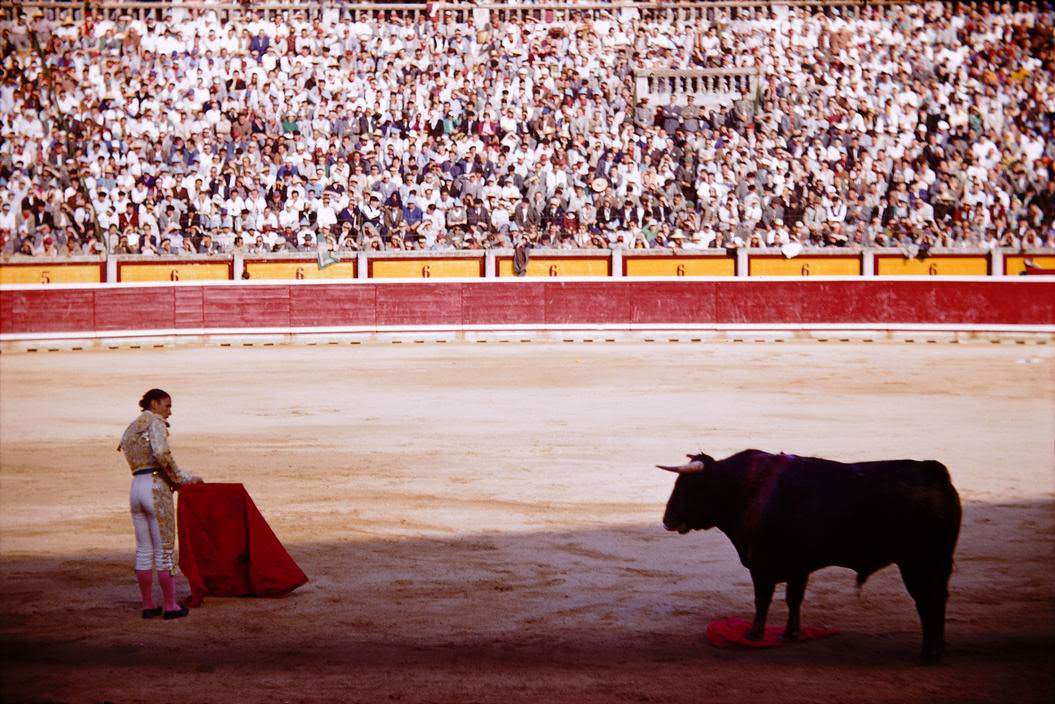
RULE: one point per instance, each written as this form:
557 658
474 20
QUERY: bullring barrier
204 311
543 262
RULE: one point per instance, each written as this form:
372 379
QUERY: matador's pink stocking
168 589
146 587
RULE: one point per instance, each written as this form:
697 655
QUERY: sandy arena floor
481 522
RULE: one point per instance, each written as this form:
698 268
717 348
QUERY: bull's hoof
754 634
930 656
789 636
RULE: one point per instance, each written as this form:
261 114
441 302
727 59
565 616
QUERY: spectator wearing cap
412 215
835 212
457 214
48 247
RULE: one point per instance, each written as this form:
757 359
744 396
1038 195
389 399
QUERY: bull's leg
928 584
793 595
763 596
940 596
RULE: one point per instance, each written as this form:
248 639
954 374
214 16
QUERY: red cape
731 632
226 548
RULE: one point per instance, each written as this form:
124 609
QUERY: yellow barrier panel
805 266
426 268
1015 264
302 269
174 271
937 265
51 273
559 266
679 266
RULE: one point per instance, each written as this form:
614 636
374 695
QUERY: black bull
788 516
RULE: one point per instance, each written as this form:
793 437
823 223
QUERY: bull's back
862 516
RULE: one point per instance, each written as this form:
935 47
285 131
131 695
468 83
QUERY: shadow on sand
614 598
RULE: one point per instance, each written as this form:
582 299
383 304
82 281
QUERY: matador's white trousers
153 518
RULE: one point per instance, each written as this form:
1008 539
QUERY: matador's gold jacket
146 444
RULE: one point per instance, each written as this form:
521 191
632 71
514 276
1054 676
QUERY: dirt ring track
481 523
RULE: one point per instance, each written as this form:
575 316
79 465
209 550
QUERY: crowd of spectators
925 125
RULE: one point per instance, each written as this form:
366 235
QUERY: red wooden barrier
371 305
332 305
47 310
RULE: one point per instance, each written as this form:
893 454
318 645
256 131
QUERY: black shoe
178 613
151 613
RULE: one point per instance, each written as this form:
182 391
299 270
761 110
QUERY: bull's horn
690 468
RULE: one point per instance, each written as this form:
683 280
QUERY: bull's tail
949 507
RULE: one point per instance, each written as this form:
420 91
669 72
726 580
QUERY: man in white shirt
7 218
325 215
289 216
922 213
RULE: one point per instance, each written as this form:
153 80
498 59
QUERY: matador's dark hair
151 396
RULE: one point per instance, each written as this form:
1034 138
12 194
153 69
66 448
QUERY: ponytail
151 396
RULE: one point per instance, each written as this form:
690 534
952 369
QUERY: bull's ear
701 457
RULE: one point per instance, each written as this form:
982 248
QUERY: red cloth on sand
226 548
732 633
